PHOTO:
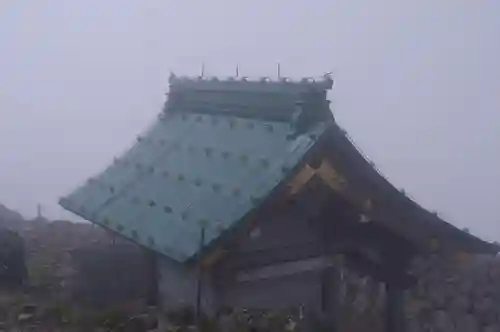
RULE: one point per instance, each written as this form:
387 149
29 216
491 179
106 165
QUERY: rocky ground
80 275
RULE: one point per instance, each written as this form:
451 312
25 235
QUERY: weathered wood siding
276 293
273 265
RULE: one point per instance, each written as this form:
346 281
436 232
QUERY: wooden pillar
395 311
396 282
199 281
396 265
329 297
326 290
329 283
152 277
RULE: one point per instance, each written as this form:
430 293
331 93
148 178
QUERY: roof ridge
244 82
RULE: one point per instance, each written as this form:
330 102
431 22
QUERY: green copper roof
190 170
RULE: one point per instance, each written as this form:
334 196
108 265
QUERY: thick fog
417 86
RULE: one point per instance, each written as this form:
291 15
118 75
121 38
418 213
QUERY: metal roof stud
236 191
151 241
216 187
120 228
181 177
208 151
167 209
285 169
185 215
264 162
135 235
151 203
198 182
225 154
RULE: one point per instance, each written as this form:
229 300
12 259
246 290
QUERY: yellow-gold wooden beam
212 258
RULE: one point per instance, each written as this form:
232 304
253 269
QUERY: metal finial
202 69
328 78
171 76
279 70
237 70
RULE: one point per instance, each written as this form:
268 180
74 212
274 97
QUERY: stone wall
459 294
456 294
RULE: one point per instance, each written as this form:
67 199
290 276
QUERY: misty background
417 86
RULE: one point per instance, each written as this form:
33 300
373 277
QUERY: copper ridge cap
325 82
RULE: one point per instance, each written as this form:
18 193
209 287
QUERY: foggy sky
417 86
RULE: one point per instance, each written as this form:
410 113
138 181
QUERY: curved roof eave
417 218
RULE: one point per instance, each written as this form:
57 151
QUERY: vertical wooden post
396 266
200 276
152 275
329 282
329 297
325 291
395 306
